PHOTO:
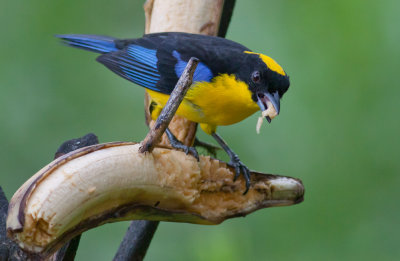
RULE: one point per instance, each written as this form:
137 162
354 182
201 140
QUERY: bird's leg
210 148
235 161
175 143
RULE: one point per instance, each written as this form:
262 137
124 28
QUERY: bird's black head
266 79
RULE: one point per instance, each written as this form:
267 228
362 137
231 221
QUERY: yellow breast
223 101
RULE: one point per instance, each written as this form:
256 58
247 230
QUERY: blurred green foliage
337 131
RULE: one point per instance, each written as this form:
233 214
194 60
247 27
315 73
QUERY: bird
230 82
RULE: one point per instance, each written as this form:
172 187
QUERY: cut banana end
113 182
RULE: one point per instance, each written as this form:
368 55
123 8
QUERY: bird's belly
225 111
223 101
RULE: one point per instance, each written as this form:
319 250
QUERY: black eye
256 77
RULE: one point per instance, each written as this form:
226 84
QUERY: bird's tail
94 43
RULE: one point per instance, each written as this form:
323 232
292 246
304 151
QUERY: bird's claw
241 168
187 149
191 150
176 144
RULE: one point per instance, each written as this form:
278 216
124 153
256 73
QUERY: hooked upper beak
265 99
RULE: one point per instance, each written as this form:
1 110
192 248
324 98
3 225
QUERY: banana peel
114 182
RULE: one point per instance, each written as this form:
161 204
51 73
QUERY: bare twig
175 99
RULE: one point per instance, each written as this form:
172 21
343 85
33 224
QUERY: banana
113 182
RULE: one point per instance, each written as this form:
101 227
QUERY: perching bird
229 84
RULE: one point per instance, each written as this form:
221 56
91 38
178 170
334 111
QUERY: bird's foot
186 149
176 144
240 168
235 162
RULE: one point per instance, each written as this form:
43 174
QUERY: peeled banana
112 182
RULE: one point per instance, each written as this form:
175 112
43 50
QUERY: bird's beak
269 104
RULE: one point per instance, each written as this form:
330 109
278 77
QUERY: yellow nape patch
271 63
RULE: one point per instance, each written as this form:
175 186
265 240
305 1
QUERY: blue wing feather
136 64
140 65
144 54
201 74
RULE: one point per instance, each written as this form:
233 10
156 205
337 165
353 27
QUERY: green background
338 130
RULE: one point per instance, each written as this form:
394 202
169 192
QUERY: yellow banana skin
113 182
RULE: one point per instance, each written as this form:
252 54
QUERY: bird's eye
255 77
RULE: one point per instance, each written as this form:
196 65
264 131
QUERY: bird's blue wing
135 63
155 70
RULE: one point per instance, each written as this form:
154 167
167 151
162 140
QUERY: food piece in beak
269 105
266 99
